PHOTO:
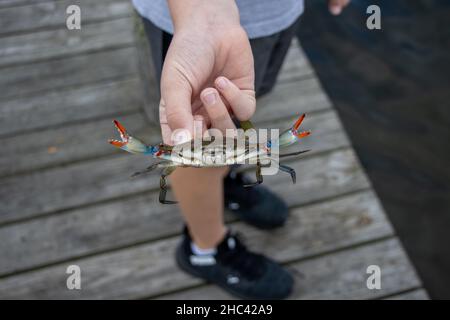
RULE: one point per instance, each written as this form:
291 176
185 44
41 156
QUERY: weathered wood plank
69 143
292 98
339 275
53 14
419 294
86 231
46 191
345 273
56 43
328 225
149 269
13 3
69 105
22 80
296 65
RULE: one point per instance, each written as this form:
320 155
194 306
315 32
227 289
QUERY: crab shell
212 154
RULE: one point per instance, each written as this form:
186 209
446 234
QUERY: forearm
220 13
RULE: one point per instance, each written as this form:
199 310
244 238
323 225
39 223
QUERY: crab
213 154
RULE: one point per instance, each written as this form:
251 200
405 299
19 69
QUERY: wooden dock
67 199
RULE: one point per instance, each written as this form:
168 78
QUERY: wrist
203 14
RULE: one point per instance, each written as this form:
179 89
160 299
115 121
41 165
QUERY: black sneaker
242 273
256 205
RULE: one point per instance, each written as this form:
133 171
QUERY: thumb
176 92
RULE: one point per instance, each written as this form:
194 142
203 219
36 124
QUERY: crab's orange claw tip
299 122
304 134
116 143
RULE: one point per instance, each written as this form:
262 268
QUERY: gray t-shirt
259 18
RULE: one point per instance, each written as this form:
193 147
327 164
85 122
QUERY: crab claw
303 134
123 135
296 126
292 135
298 122
128 143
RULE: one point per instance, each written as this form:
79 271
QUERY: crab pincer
127 142
296 126
123 135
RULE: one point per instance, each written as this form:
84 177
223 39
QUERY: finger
199 126
176 93
202 112
166 132
242 102
217 111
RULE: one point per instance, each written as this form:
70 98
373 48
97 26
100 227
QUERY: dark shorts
268 53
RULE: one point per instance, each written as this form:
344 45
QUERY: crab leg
151 168
259 177
293 153
163 186
288 170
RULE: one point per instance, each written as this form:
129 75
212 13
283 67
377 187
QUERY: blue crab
212 154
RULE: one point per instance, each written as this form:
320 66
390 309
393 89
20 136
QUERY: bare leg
199 192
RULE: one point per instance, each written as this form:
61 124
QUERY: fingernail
222 83
210 98
335 10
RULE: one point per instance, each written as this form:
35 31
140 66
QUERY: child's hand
210 54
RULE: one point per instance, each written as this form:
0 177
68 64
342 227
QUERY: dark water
392 91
